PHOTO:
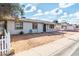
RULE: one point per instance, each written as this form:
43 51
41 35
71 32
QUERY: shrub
21 32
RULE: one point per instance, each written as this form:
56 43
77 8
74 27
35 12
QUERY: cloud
74 18
47 12
39 11
60 11
71 18
56 11
38 14
65 14
33 18
65 17
76 15
70 15
51 14
32 8
65 5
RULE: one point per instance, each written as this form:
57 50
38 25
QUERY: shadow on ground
34 35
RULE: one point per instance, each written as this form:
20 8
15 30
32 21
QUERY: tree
10 9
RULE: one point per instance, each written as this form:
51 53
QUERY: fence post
8 42
5 43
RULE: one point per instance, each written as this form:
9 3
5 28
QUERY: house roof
37 21
9 18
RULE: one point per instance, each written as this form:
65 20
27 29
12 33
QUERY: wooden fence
5 44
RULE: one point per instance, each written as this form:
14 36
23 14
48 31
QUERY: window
18 25
34 25
51 26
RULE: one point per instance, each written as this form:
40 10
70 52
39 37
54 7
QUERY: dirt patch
27 41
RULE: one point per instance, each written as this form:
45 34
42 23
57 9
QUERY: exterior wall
11 27
49 29
34 30
46 28
57 27
40 28
27 26
70 28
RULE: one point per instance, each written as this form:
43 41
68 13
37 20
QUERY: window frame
34 26
19 26
51 26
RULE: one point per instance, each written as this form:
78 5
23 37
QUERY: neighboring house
64 26
26 26
67 26
57 27
71 27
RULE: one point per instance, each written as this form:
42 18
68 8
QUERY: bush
21 32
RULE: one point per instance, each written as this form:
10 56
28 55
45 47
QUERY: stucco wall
27 26
40 27
11 28
70 28
49 29
57 27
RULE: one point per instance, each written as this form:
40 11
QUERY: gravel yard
24 42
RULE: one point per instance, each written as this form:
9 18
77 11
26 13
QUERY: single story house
26 26
64 26
32 26
67 26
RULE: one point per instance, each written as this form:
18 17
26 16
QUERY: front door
44 28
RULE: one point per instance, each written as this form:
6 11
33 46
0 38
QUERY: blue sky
52 11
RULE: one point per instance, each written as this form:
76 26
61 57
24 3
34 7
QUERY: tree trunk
5 25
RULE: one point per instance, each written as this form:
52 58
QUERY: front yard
24 42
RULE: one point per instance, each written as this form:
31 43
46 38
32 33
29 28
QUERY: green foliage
7 9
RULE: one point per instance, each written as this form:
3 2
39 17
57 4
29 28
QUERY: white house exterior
71 27
67 26
27 26
32 26
64 26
